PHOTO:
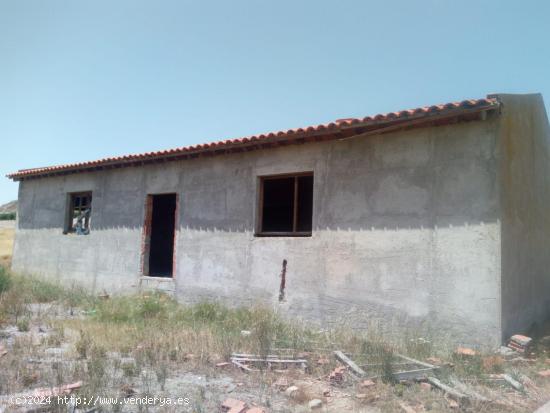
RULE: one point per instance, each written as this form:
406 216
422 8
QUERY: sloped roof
338 129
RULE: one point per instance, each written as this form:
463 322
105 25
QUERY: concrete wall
524 137
406 230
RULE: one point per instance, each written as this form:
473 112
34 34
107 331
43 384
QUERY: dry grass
7 232
148 341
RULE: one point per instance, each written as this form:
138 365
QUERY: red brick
425 386
337 375
465 351
521 340
234 406
367 383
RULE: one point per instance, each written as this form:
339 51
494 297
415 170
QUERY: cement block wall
406 230
524 137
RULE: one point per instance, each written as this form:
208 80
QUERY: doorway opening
162 221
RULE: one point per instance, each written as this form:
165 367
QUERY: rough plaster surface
406 231
524 137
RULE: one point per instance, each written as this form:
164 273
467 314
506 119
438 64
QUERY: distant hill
8 208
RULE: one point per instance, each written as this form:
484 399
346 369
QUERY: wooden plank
469 391
512 382
347 361
420 363
412 374
255 355
242 366
269 360
491 377
447 389
407 363
269 356
260 223
417 373
295 206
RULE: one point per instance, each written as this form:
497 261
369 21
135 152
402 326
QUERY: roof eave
345 129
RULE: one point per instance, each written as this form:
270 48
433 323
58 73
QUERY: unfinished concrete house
437 217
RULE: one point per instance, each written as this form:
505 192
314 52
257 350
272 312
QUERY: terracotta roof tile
335 127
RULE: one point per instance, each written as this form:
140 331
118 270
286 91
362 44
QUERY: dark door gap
161 250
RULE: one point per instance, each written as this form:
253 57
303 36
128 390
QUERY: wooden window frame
70 211
259 230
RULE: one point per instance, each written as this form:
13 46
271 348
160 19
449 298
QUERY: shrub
5 280
118 310
7 216
129 369
29 377
36 289
135 309
83 345
208 312
14 304
44 291
76 296
23 324
152 307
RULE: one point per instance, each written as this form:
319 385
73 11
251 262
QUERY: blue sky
81 80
